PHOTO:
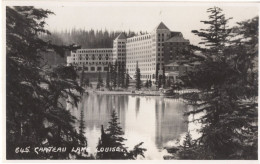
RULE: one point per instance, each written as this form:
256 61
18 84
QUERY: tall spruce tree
227 90
147 84
108 77
159 85
113 138
163 78
138 82
123 75
157 73
33 111
100 81
150 83
119 77
115 75
215 37
127 79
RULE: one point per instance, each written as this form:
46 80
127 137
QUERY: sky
144 16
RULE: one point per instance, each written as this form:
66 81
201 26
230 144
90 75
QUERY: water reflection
152 120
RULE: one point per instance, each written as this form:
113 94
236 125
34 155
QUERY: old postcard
149 80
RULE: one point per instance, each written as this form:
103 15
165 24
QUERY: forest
86 38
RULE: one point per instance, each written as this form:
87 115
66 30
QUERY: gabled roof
161 26
121 36
177 39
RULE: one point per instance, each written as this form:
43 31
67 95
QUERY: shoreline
138 93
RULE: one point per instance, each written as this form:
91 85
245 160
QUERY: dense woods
86 38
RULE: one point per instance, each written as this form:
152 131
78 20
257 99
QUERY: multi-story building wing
139 50
119 48
174 48
92 60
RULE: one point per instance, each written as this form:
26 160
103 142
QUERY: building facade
158 48
92 60
119 49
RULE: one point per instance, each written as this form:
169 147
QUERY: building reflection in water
152 120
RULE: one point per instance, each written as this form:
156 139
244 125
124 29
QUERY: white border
101 3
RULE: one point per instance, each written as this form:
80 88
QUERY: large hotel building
159 48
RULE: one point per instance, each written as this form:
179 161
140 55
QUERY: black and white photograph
128 80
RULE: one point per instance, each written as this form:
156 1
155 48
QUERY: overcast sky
182 17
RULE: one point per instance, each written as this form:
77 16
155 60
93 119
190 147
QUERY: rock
168 157
172 149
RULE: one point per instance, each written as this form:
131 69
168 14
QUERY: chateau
160 48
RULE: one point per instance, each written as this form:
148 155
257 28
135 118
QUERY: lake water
156 121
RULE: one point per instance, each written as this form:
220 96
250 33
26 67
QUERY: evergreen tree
137 77
150 83
157 73
82 77
214 37
86 82
119 77
81 123
227 87
33 111
108 77
147 84
115 75
100 81
159 82
168 83
111 73
123 74
163 78
112 137
127 79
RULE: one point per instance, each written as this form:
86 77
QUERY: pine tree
168 83
147 84
150 83
81 123
115 75
137 78
33 112
188 140
123 74
214 37
160 82
86 82
112 137
119 77
108 77
157 73
163 78
100 81
82 77
127 79
111 73
226 86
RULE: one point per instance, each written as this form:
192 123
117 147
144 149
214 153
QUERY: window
105 68
99 68
92 68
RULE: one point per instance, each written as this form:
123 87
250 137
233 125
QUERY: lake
154 120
